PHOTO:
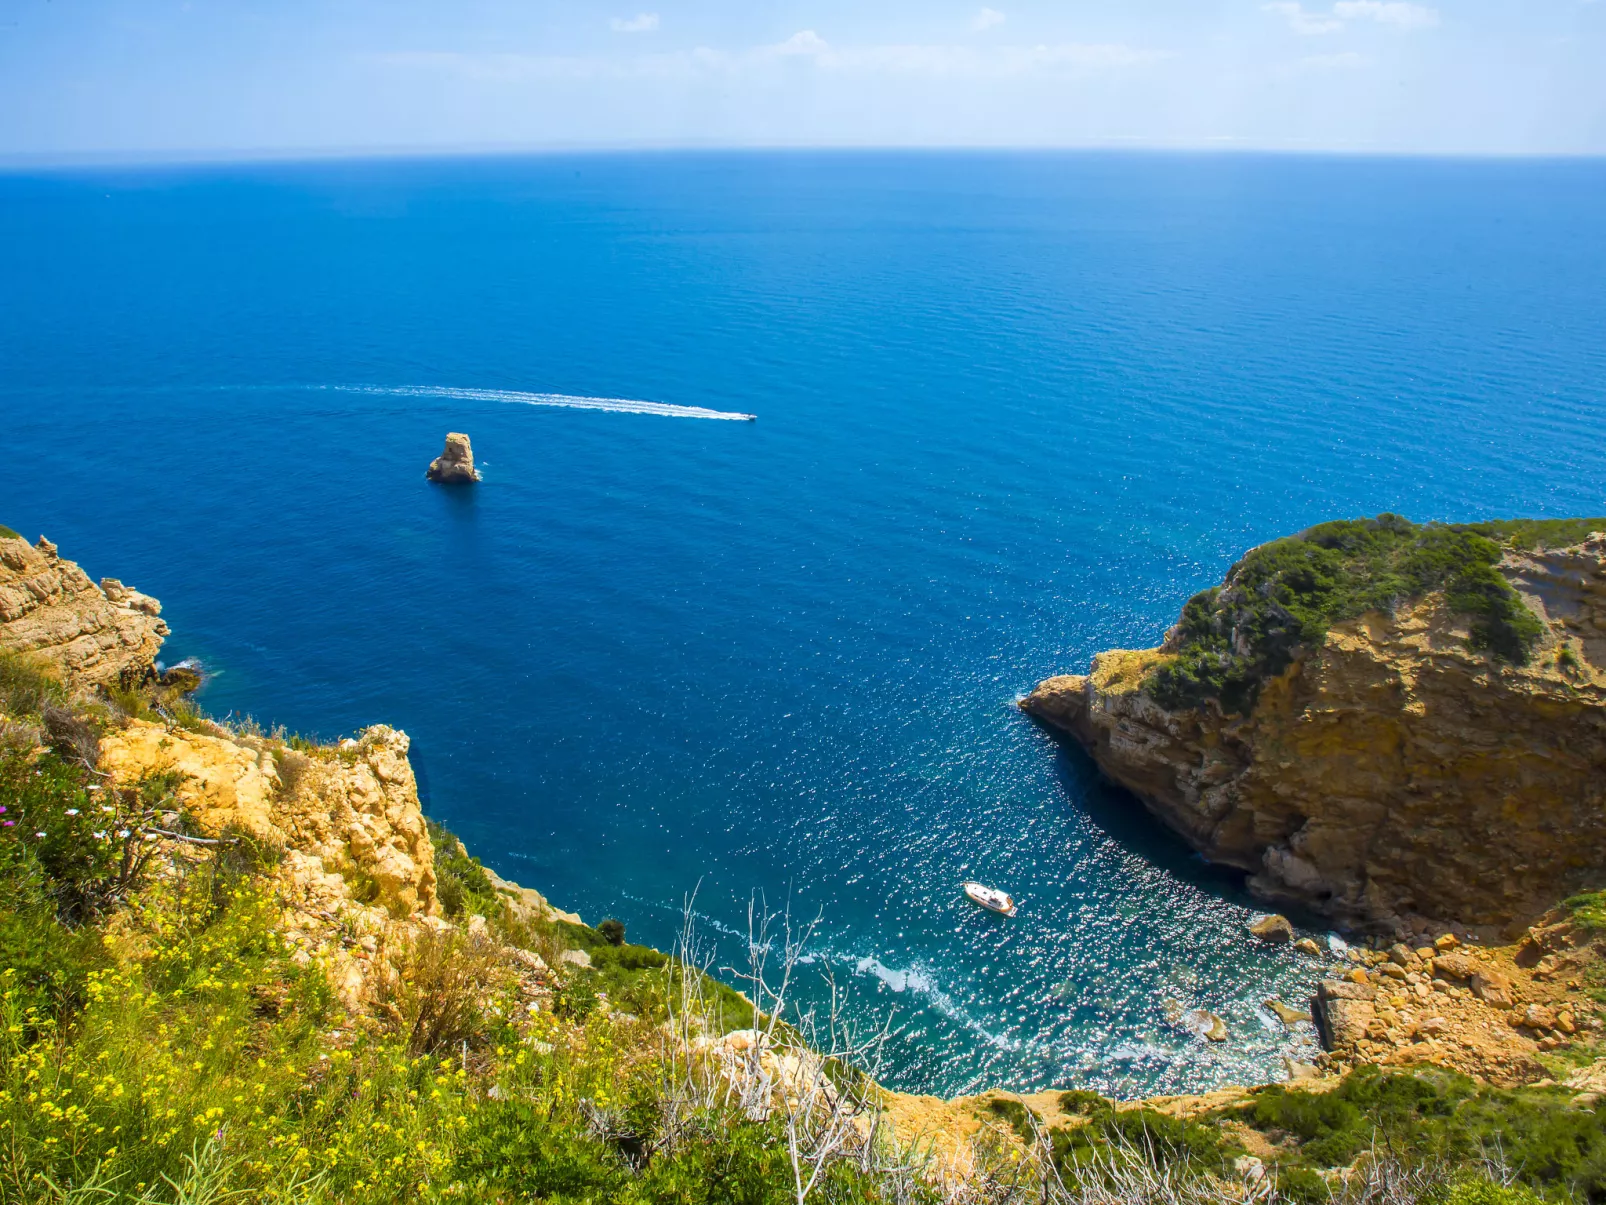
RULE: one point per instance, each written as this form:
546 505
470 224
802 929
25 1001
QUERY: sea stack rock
456 463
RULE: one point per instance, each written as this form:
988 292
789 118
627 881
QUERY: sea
1010 409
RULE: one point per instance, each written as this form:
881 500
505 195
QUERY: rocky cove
1414 789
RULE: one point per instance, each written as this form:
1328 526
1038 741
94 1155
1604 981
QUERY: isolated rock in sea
1392 770
1275 930
51 609
1306 946
456 463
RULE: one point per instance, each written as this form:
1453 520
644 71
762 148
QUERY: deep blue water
1013 409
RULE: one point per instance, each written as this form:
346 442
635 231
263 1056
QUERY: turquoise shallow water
1013 409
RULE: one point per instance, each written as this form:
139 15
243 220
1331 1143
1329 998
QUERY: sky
165 78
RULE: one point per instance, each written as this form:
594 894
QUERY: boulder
1306 946
1455 966
455 465
1537 1016
1341 1022
1298 1070
1275 930
1341 989
1493 988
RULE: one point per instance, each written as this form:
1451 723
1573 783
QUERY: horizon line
11 161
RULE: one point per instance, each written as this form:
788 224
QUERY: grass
27 687
1589 909
1283 596
7 534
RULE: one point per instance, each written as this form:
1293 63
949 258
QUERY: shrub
1283 596
612 931
1438 1118
87 842
72 737
1016 1115
1155 1137
438 999
1079 1102
461 884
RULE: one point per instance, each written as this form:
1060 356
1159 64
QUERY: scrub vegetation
1283 596
162 1042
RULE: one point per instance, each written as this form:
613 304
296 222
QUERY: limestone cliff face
352 812
1389 772
49 607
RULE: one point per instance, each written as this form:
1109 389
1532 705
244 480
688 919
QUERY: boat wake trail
618 405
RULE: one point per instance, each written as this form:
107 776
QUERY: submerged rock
456 463
1275 930
1287 1014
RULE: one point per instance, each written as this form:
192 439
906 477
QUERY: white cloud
1388 12
1302 22
804 41
1346 61
806 47
986 19
640 23
1397 13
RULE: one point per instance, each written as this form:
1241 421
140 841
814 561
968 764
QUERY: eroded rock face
354 815
50 608
1391 772
456 463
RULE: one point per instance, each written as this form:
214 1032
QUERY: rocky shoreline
358 882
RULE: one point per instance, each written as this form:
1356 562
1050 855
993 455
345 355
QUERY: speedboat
990 898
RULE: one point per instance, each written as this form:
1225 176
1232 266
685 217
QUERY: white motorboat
990 898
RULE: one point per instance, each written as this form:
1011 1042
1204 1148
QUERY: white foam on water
617 405
921 984
898 981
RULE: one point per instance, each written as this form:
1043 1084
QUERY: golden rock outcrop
51 609
351 812
1390 774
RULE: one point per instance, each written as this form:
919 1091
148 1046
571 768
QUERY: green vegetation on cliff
1283 597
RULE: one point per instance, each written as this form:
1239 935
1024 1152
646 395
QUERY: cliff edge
49 608
1379 722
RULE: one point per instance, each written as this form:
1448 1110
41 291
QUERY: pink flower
9 823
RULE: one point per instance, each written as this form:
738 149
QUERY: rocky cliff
50 608
1392 769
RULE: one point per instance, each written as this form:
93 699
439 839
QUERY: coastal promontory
1382 722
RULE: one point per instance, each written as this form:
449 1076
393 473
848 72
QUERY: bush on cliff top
1434 1118
1283 597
